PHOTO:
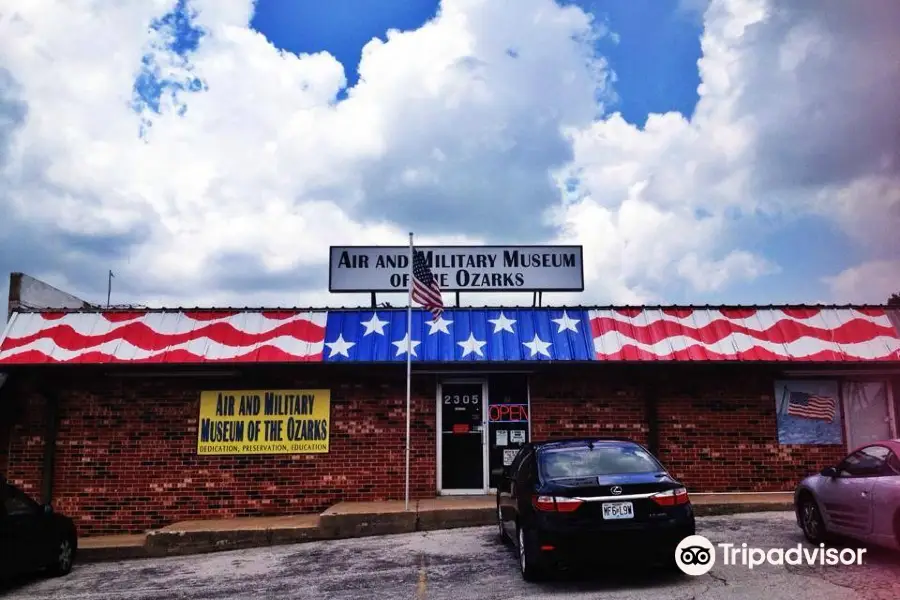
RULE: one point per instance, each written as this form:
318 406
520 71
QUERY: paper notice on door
509 455
517 436
502 437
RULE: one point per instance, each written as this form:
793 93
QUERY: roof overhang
848 338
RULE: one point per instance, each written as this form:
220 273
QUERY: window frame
878 471
657 466
892 464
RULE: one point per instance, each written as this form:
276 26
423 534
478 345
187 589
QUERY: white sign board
502 436
459 268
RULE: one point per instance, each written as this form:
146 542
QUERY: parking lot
464 563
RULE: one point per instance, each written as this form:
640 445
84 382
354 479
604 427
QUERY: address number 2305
464 399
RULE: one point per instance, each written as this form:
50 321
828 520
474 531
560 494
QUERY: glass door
508 420
461 443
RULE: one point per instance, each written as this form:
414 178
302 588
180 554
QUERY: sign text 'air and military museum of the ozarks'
264 422
459 268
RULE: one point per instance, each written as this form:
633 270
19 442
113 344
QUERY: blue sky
655 58
254 127
653 49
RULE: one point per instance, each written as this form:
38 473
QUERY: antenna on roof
109 287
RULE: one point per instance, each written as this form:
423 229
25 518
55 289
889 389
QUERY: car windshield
583 461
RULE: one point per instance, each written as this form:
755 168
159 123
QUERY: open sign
508 413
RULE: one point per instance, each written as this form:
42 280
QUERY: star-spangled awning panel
185 336
459 335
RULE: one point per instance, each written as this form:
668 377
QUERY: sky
208 152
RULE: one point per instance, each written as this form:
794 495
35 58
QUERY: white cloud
712 275
471 128
871 282
783 127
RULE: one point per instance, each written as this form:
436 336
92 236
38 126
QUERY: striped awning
365 335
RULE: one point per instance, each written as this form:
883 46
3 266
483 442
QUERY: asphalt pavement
466 563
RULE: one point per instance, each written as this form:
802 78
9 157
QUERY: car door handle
864 494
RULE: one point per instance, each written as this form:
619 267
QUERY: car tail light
675 497
555 503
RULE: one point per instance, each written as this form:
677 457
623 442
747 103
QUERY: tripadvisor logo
696 555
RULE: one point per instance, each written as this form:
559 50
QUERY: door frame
845 406
492 491
485 470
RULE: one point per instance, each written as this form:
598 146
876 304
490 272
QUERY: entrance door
461 450
870 418
508 428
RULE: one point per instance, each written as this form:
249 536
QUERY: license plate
618 510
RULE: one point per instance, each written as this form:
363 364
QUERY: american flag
426 291
811 406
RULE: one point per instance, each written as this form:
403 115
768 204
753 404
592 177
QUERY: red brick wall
9 409
716 428
126 452
720 434
582 401
26 428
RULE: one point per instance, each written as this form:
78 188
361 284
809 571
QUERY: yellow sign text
264 422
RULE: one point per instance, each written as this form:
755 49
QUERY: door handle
864 494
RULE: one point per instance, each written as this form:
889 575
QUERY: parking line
423 580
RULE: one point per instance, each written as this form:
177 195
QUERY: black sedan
591 499
33 537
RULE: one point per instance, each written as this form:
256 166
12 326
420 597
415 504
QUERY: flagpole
409 361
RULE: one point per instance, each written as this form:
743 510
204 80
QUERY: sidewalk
354 519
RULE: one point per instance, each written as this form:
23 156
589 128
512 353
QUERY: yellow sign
264 422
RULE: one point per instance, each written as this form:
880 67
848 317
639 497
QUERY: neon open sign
508 413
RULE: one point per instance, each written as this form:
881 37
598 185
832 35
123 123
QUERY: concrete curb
179 543
715 510
109 554
434 520
340 526
336 525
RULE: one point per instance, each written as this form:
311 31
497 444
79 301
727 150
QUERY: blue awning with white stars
459 335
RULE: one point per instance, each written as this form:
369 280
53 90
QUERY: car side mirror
48 509
829 472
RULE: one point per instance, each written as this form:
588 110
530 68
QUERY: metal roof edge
7 328
178 309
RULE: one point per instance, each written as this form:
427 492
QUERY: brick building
105 413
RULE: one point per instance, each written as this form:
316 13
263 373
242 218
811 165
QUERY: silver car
859 498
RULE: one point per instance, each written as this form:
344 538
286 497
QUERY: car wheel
811 521
504 538
65 556
529 563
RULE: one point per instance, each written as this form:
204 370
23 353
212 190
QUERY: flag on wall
426 291
811 406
